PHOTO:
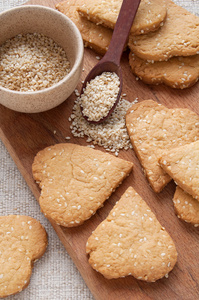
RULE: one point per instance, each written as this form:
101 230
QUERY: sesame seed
99 96
32 62
111 134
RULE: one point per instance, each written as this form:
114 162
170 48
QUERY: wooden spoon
111 60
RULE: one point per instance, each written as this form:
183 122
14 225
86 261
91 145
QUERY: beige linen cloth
54 277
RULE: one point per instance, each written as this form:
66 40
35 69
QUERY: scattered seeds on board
31 62
99 96
111 134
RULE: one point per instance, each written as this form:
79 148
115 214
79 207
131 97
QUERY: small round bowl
47 21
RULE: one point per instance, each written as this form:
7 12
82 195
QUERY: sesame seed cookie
95 37
149 16
178 72
182 164
186 207
179 36
75 181
154 129
22 241
131 241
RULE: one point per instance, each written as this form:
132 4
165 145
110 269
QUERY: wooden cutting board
25 134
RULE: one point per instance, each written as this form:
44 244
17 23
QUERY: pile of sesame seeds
111 134
99 96
32 62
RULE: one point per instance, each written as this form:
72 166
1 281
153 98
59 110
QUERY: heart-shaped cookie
75 181
22 241
178 72
179 36
96 37
182 164
149 17
154 129
186 207
131 241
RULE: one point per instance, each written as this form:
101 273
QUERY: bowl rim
77 62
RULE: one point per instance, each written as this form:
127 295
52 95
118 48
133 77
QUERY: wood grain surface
25 134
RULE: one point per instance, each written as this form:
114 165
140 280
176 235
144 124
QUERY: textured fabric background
54 275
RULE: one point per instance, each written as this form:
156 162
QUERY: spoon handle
121 31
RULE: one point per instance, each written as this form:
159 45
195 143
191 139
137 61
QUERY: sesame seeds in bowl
38 81
32 62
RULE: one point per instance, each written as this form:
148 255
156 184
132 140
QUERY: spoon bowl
111 60
103 66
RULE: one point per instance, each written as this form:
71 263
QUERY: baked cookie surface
154 129
22 241
182 164
131 241
75 181
186 207
149 16
94 36
179 36
178 72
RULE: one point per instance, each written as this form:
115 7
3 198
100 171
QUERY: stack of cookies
97 18
163 42
170 54
166 142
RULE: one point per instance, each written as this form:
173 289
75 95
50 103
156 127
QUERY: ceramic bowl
40 19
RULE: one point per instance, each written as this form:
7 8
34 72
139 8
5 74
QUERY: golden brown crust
22 241
154 129
182 164
177 72
75 181
179 36
95 37
149 16
186 207
131 241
